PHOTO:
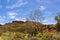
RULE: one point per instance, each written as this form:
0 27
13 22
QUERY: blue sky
11 10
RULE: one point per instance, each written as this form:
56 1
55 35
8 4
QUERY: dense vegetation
19 30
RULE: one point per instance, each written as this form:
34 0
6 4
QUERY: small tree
57 18
36 17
